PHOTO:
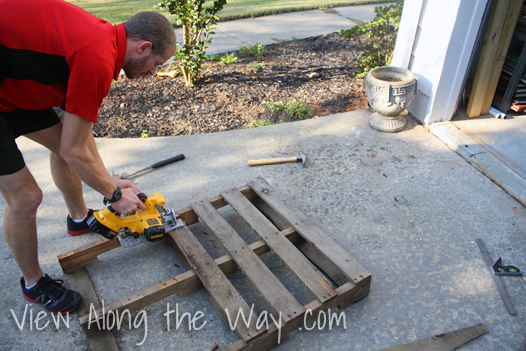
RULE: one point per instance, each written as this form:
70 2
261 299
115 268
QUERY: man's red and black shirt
53 53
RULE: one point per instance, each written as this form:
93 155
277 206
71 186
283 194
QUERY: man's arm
121 183
75 150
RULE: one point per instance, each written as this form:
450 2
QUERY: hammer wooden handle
170 74
269 161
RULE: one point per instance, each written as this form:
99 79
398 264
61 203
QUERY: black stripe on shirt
46 69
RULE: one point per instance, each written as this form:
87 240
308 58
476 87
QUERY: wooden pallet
291 235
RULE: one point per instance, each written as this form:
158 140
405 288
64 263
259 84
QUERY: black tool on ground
502 290
156 165
501 269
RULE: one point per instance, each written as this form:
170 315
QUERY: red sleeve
91 73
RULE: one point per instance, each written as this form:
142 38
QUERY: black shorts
15 124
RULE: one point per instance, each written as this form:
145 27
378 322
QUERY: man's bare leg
23 196
65 179
69 185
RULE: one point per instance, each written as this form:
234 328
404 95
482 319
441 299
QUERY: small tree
198 24
376 38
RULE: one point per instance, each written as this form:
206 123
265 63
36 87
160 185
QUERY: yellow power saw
141 226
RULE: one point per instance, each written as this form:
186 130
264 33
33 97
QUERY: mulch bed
232 96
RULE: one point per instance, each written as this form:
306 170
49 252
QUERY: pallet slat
102 340
86 254
310 232
221 293
250 264
296 261
322 262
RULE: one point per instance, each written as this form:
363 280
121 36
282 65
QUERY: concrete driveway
404 205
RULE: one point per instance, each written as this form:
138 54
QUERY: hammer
268 161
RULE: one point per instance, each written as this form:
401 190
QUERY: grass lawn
117 11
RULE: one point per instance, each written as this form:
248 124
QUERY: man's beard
136 68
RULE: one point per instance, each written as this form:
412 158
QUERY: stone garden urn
389 91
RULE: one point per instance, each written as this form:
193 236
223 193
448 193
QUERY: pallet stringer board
302 249
99 339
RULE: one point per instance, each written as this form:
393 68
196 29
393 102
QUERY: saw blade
130 240
171 220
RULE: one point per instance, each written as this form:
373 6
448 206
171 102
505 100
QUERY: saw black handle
168 161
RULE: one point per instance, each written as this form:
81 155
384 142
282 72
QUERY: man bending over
53 53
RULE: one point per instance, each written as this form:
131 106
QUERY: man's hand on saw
128 203
125 184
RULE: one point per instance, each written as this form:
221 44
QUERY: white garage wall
435 41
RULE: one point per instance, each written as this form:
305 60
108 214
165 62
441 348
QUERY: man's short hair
153 27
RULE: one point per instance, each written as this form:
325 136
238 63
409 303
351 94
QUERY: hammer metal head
302 158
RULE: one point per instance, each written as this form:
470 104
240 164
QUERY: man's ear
143 47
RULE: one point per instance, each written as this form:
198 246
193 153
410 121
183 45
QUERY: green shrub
198 23
260 123
299 108
377 38
229 58
256 68
257 50
245 49
293 108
